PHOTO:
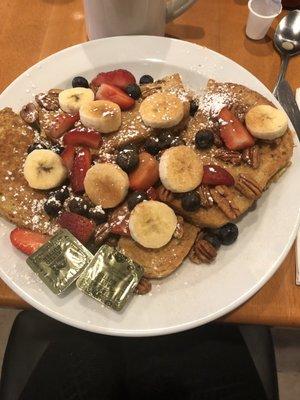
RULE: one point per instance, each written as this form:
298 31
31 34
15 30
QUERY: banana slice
162 110
266 122
70 100
102 115
180 169
106 185
152 224
43 169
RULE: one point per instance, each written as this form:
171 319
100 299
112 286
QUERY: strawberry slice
121 227
152 193
119 77
63 123
233 132
82 163
214 175
116 95
26 240
68 156
146 174
81 227
83 137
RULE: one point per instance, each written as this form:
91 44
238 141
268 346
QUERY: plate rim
174 328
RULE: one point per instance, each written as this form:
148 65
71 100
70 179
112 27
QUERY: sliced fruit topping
119 77
116 95
228 233
233 133
68 156
152 193
146 174
82 164
162 110
121 227
80 81
52 206
145 79
102 115
26 240
83 137
180 169
136 198
81 227
214 175
70 100
62 124
191 201
80 206
266 122
61 194
128 158
133 90
106 185
193 107
44 169
204 139
152 224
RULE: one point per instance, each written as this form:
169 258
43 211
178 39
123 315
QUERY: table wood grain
30 31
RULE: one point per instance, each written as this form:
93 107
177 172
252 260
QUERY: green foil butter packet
110 278
59 262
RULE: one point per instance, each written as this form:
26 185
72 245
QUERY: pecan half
102 232
229 156
164 194
248 187
179 230
144 286
29 113
223 198
251 156
205 196
48 101
202 252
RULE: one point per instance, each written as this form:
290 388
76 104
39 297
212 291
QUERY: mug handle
177 7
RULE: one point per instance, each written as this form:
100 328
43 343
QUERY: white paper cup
258 24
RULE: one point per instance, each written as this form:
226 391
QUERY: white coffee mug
131 17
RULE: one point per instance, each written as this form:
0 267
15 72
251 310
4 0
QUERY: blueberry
133 90
36 146
128 158
61 194
52 206
191 201
165 140
193 107
213 239
204 139
146 79
79 206
80 81
136 198
152 146
177 142
228 233
98 214
57 148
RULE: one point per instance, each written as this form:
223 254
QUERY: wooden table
33 30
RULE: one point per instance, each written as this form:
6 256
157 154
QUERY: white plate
195 294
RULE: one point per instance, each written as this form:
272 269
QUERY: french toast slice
274 156
158 263
19 203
